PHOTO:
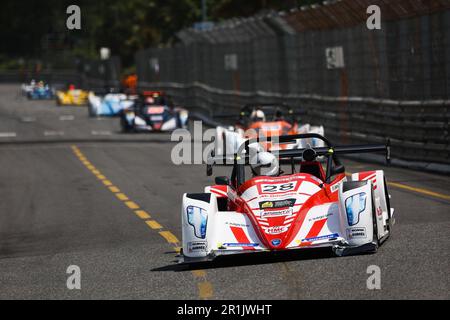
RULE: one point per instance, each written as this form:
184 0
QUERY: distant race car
111 104
273 211
39 91
267 120
72 97
26 88
153 112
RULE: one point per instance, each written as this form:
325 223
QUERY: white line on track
28 119
101 133
8 135
67 118
53 133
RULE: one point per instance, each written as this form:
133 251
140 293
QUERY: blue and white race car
112 104
153 112
40 91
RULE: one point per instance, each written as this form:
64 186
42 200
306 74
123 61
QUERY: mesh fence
326 60
408 59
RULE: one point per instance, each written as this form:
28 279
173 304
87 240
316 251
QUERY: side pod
197 216
357 217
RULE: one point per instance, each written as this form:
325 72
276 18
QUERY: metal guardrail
419 130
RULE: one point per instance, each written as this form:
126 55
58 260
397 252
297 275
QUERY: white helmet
265 164
258 115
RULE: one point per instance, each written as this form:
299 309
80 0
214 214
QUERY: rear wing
331 152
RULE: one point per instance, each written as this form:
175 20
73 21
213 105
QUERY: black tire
126 128
91 111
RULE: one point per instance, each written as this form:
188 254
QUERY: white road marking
67 118
53 133
28 119
101 133
8 135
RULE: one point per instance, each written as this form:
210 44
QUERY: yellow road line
142 214
132 205
107 183
114 189
419 190
414 189
122 197
153 224
199 273
177 249
169 236
205 290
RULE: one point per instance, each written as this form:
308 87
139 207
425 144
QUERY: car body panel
74 97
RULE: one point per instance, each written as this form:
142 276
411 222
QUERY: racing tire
91 111
126 128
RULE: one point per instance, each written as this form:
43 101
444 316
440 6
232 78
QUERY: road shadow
251 259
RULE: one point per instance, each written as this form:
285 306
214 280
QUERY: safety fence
89 74
362 85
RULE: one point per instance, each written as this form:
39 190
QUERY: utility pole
204 10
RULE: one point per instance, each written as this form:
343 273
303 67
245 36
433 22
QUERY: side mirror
222 181
338 170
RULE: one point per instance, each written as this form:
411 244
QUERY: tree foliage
37 28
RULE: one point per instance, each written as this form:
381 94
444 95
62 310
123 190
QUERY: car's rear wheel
126 128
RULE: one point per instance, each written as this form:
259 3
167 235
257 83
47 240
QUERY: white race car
272 211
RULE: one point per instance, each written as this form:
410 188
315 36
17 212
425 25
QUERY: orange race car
266 120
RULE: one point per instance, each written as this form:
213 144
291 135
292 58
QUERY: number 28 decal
273 188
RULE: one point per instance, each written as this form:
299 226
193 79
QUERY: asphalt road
75 191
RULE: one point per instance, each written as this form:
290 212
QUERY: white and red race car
308 208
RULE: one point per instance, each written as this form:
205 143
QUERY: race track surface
76 191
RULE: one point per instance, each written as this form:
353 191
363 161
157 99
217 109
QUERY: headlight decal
198 219
354 205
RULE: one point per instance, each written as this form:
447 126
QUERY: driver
258 115
265 164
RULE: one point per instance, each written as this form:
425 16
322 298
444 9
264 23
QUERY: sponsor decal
277 204
321 217
197 246
356 233
379 211
265 205
276 230
240 244
335 187
234 224
329 237
277 213
274 196
198 219
276 242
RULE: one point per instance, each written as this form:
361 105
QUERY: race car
72 97
110 104
274 211
268 120
39 91
26 88
153 112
